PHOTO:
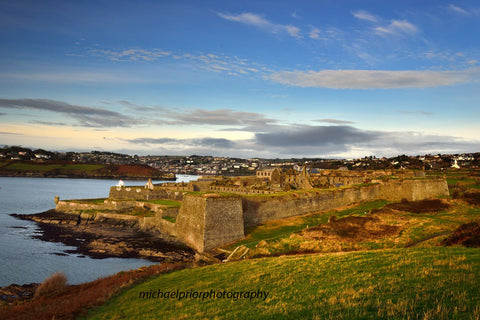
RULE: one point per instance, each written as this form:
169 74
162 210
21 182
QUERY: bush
53 284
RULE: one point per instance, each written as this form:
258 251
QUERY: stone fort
215 211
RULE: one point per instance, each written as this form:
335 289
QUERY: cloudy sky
241 78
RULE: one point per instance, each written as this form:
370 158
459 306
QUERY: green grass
170 219
454 181
88 201
169 203
83 167
432 283
18 166
223 194
138 212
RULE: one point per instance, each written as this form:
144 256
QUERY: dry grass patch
422 206
75 300
352 229
467 234
54 284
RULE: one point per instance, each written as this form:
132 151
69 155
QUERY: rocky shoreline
98 240
107 238
15 292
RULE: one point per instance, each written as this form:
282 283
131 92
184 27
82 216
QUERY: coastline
75 176
74 170
97 240
107 239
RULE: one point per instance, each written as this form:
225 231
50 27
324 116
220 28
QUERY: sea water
24 259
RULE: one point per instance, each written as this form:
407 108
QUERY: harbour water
25 259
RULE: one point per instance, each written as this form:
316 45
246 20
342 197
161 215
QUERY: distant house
273 175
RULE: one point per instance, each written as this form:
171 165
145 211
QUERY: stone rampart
77 206
142 193
257 210
239 190
206 222
72 206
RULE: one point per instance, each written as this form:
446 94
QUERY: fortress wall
140 193
224 221
76 207
257 210
206 222
238 190
191 222
159 224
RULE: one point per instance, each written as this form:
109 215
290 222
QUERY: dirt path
428 238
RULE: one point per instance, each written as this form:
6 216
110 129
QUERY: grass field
170 219
426 283
168 203
367 226
20 166
89 201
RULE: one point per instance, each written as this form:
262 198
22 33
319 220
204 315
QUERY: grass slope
425 283
20 166
284 228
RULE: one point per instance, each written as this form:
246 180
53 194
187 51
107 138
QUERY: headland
215 211
69 169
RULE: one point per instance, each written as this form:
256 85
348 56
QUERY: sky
271 79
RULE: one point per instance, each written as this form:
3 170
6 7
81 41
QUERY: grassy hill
78 170
426 283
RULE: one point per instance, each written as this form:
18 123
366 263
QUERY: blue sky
241 78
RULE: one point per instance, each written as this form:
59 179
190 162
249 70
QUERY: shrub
53 284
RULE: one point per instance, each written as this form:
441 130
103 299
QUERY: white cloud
458 9
262 23
364 15
207 61
135 54
397 27
374 79
314 33
293 31
325 34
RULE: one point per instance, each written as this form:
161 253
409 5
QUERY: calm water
25 260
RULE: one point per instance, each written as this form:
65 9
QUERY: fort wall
239 190
142 193
76 206
257 210
209 221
